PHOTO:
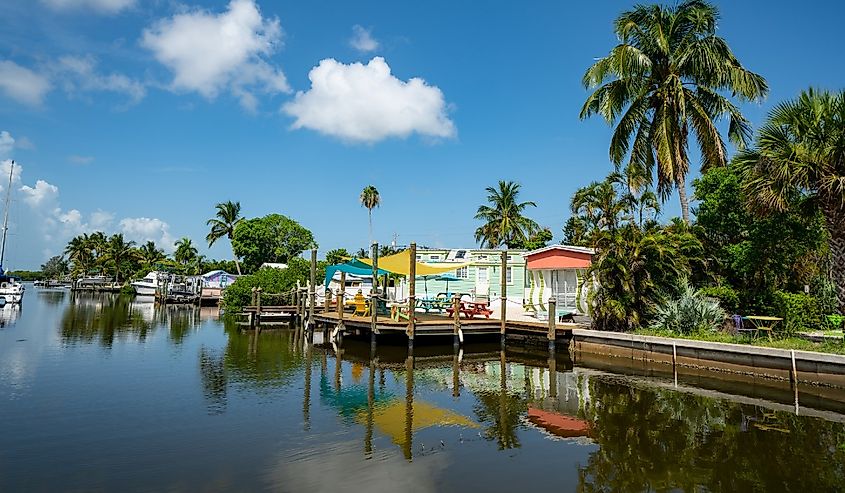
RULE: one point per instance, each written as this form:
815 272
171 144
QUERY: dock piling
456 314
312 293
374 295
552 322
504 295
412 298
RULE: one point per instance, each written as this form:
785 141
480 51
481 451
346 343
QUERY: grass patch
834 347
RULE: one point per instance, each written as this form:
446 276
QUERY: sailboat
11 289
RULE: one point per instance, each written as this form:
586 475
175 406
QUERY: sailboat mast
6 217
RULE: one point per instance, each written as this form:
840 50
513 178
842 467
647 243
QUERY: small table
763 323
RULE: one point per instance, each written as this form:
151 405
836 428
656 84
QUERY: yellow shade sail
400 263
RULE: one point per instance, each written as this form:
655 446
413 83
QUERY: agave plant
691 311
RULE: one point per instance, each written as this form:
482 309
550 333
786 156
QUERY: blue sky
138 116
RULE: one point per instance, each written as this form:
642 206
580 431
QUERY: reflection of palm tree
214 382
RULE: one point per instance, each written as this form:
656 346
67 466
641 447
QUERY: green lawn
835 347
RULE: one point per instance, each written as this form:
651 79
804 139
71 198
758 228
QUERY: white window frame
509 276
478 271
462 272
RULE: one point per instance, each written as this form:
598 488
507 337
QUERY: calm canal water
103 393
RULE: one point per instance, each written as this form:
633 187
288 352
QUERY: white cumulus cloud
41 193
144 229
7 143
215 52
363 40
79 74
80 160
22 84
366 103
102 6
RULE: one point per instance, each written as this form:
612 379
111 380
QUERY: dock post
412 298
552 321
456 314
552 375
374 295
504 295
258 309
296 302
328 301
312 293
340 298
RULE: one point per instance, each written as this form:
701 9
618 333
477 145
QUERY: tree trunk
370 216
237 264
682 194
835 222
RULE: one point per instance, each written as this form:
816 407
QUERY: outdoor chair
740 327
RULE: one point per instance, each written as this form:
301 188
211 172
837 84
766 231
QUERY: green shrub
834 322
800 312
690 312
725 295
271 281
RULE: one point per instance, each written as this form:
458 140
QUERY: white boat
150 284
11 289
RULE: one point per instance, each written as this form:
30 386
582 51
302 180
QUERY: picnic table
471 308
436 304
763 323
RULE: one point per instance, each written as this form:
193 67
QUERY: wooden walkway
428 325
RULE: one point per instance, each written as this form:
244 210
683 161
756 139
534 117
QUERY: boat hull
143 289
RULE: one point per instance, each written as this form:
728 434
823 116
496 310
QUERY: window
482 274
434 257
509 275
461 273
482 257
460 254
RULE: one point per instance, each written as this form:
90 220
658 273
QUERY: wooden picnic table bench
471 308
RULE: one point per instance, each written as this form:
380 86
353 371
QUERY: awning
354 268
400 263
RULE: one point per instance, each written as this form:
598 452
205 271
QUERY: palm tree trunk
370 214
682 195
835 222
237 264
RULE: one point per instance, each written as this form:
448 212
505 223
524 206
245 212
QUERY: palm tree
800 154
665 80
150 254
228 216
504 222
370 199
185 252
97 241
80 253
116 252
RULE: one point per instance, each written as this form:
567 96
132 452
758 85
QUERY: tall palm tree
800 154
665 80
116 252
185 252
228 216
504 222
150 254
97 241
370 199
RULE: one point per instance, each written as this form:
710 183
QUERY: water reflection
103 317
9 314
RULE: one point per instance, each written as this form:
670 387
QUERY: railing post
552 322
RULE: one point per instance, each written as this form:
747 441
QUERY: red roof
559 257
